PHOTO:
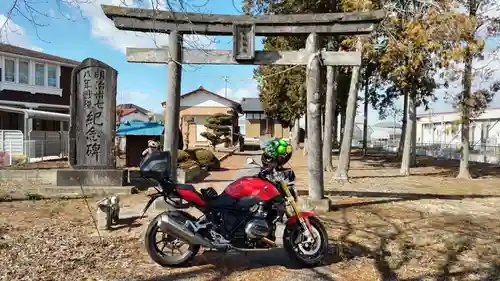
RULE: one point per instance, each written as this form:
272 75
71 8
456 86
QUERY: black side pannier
156 165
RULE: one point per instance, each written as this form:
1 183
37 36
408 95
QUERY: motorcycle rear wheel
306 257
160 257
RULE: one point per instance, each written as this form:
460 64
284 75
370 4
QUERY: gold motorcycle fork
295 208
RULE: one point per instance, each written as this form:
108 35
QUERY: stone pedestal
75 177
108 212
318 206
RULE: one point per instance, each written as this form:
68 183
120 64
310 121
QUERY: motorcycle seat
209 193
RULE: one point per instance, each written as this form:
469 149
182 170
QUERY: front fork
303 223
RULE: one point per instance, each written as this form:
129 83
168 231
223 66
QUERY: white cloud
104 30
250 91
14 34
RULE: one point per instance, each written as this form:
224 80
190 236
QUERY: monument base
88 177
318 206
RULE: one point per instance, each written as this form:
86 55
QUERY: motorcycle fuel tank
252 187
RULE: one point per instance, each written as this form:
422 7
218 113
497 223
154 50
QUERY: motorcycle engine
258 227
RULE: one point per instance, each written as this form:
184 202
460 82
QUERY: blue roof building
136 128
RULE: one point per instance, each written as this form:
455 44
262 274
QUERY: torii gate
244 28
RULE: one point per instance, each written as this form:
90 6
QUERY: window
39 74
255 116
24 72
52 75
10 70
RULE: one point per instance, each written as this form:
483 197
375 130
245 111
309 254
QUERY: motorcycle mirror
251 161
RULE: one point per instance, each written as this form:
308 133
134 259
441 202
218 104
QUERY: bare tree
36 14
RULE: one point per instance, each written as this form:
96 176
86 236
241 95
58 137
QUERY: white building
444 128
385 131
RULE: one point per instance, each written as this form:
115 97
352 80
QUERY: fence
42 146
478 152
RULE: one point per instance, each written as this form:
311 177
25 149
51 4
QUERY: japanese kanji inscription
93 115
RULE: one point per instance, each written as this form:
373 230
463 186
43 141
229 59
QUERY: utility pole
226 79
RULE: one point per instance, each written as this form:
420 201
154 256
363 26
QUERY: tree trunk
342 124
405 162
365 118
344 158
331 100
403 125
464 172
413 158
296 134
323 124
335 128
306 143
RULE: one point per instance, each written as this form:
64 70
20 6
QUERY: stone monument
92 127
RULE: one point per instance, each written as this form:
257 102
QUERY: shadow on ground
390 197
127 223
443 167
409 245
388 244
220 266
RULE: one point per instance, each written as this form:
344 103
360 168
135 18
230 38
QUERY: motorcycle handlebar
288 173
264 171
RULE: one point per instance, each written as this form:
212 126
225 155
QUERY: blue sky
84 31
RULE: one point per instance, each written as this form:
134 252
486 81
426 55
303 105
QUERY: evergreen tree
219 126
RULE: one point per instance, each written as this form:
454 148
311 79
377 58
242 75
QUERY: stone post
93 116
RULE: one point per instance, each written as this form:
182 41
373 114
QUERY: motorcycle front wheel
307 255
167 251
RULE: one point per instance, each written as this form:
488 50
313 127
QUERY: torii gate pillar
173 102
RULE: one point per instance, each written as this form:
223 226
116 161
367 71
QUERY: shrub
187 164
182 156
206 158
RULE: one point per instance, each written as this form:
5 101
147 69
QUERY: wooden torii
244 28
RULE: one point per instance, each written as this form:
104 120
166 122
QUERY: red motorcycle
242 218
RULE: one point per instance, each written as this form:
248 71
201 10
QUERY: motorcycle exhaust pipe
170 225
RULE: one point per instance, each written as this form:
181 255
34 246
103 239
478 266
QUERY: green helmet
277 150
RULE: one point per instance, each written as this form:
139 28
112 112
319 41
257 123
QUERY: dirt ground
425 227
